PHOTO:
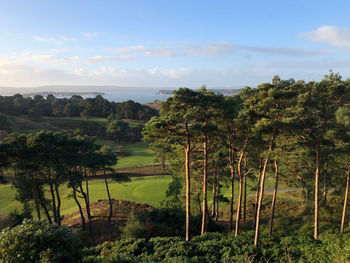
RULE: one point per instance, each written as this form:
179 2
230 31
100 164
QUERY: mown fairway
147 189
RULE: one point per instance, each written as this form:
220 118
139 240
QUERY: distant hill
226 92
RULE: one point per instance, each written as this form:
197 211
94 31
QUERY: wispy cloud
56 40
332 35
90 34
215 49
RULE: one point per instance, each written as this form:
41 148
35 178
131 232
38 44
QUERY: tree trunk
87 204
213 212
245 193
58 208
42 202
80 209
274 197
87 186
261 194
36 202
54 210
257 191
205 186
109 196
240 191
217 197
188 184
325 190
345 201
317 174
232 169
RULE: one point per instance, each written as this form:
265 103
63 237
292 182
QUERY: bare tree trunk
257 191
188 184
325 190
87 186
213 212
232 168
205 186
80 209
240 191
199 202
36 202
42 202
317 174
54 211
58 213
245 193
87 204
274 197
217 197
345 201
109 196
261 194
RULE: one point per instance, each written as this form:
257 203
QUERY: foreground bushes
215 247
38 241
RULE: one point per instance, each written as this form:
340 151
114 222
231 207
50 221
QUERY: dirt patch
100 212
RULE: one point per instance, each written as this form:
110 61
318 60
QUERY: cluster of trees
46 242
296 129
119 130
73 107
44 161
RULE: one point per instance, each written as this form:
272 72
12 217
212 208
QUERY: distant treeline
39 106
217 91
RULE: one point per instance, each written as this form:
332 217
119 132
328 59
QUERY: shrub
39 241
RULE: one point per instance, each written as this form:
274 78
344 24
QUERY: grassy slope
149 189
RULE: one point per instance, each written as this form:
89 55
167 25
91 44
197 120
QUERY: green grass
140 155
148 189
96 119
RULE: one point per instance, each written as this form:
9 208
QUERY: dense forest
38 106
294 133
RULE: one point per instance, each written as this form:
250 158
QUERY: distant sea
116 96
140 97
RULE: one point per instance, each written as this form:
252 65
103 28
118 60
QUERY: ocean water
140 97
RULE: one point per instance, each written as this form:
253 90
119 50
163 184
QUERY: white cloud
215 49
90 34
332 35
56 40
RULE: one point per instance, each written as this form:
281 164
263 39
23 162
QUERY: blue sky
171 43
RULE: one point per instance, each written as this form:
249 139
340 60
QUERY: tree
43 242
118 129
176 122
316 107
107 158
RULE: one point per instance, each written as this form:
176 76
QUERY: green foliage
73 107
215 247
38 241
133 227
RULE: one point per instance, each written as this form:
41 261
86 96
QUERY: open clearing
148 189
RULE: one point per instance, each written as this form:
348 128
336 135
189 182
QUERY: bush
167 222
39 241
216 247
133 227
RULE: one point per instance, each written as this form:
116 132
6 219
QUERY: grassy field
96 119
140 155
149 190
132 123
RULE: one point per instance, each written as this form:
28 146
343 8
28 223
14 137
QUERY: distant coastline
62 94
218 91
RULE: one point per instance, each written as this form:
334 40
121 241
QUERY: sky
167 43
